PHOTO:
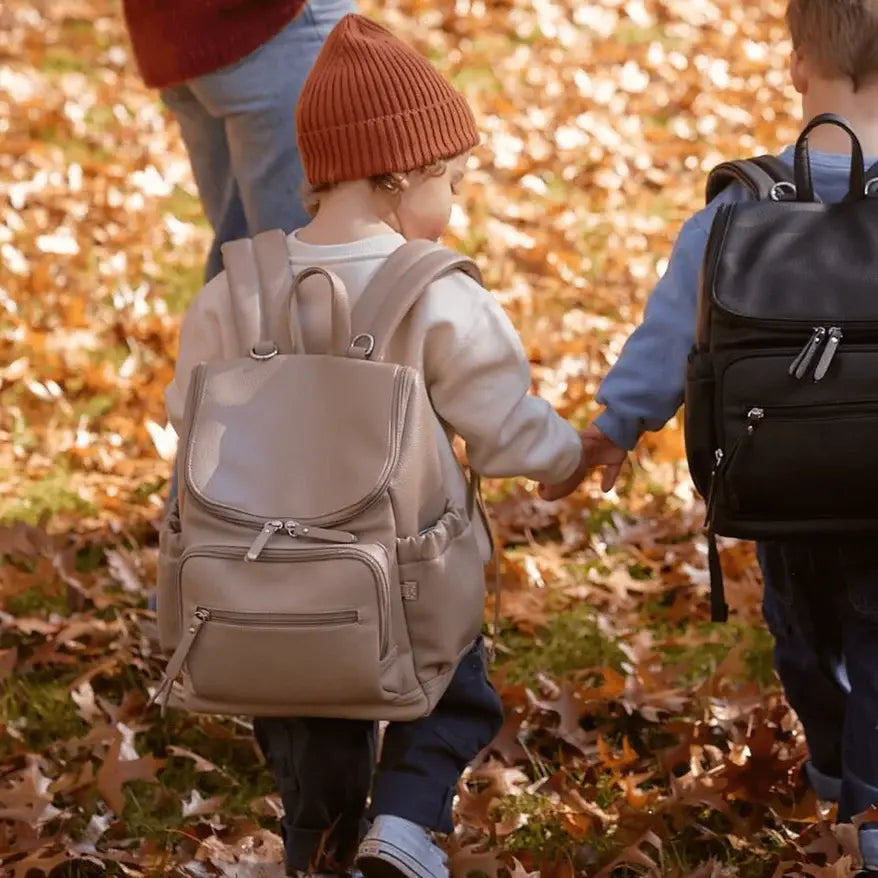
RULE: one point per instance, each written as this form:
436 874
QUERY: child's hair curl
392 184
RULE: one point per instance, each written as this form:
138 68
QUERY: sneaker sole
375 867
385 860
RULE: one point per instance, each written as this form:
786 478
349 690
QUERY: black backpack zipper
832 337
723 462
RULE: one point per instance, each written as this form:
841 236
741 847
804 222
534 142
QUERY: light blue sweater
645 387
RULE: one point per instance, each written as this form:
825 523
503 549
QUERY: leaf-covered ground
641 740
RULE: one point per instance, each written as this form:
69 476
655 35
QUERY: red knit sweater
176 40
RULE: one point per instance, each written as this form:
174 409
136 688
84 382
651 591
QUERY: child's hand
597 450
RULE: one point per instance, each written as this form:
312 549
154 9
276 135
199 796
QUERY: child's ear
799 72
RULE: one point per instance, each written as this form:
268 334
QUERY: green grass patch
185 207
570 642
700 660
482 80
43 499
35 602
40 707
179 284
632 34
60 59
542 835
154 809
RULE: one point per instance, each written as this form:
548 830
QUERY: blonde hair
839 36
390 183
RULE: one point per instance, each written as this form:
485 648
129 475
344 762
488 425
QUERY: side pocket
167 597
442 578
698 419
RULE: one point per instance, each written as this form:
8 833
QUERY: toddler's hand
597 450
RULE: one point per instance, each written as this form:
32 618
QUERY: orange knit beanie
373 105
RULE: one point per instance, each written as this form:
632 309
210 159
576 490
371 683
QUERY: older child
384 140
821 599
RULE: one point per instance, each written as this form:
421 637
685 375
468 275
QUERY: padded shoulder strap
259 269
397 286
758 175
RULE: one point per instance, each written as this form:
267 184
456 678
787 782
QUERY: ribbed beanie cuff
372 105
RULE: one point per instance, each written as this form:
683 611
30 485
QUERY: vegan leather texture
315 566
781 417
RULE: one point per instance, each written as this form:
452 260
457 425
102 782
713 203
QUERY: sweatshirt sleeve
478 378
201 339
645 387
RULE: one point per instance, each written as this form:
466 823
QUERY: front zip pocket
802 462
299 626
283 620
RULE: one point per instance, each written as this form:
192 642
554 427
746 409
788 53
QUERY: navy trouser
821 605
325 768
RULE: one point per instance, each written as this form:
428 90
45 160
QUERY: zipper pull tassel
829 352
176 661
723 462
710 503
800 365
269 529
754 418
295 529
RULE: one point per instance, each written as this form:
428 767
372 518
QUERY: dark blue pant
325 768
821 605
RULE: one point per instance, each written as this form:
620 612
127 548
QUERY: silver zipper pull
295 529
710 501
269 529
177 660
754 418
800 365
829 352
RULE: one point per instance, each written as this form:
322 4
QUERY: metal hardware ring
782 191
263 356
370 343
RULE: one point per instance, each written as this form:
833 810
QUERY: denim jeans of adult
821 605
239 128
325 768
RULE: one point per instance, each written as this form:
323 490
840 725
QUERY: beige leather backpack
314 565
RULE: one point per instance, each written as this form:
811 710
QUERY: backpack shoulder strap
758 175
259 270
397 286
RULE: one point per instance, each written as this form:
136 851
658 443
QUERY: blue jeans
325 768
239 128
821 605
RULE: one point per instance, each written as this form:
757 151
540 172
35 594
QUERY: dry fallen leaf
115 772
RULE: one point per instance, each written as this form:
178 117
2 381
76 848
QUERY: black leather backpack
781 417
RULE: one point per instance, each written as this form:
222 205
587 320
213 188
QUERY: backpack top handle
340 311
802 164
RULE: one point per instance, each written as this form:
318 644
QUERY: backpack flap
249 416
265 445
800 263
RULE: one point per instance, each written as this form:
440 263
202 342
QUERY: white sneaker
397 848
